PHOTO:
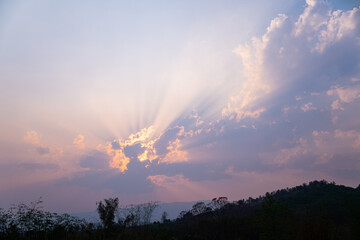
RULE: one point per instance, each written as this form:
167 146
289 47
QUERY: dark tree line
30 221
318 210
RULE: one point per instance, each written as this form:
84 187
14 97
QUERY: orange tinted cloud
79 142
179 187
175 154
148 152
119 159
33 138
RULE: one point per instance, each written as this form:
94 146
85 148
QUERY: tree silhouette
137 214
199 208
107 211
318 210
164 217
217 203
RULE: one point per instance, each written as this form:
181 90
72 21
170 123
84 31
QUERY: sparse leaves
137 214
31 221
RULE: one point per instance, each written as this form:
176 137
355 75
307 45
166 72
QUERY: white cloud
341 24
256 84
297 56
315 15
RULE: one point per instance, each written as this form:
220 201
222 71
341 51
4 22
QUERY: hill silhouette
317 210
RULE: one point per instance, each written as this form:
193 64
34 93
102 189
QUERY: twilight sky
176 100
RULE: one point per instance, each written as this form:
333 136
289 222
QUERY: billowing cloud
118 158
283 108
311 53
300 73
175 154
285 85
141 146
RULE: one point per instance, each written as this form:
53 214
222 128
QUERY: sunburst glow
158 100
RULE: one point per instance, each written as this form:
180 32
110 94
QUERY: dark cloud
96 160
132 151
169 136
299 70
133 182
193 171
42 150
115 145
38 166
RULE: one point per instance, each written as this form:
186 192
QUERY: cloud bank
291 116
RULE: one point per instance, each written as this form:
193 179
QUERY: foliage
30 221
318 210
164 216
217 203
107 211
137 214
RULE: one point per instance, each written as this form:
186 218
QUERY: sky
175 100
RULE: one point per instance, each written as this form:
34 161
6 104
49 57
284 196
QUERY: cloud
118 158
294 78
340 25
292 116
335 105
79 142
95 161
256 84
115 145
353 136
239 184
142 136
345 94
314 16
43 150
33 139
138 145
141 146
179 187
308 54
324 27
19 174
324 150
175 154
307 107
171 134
37 166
